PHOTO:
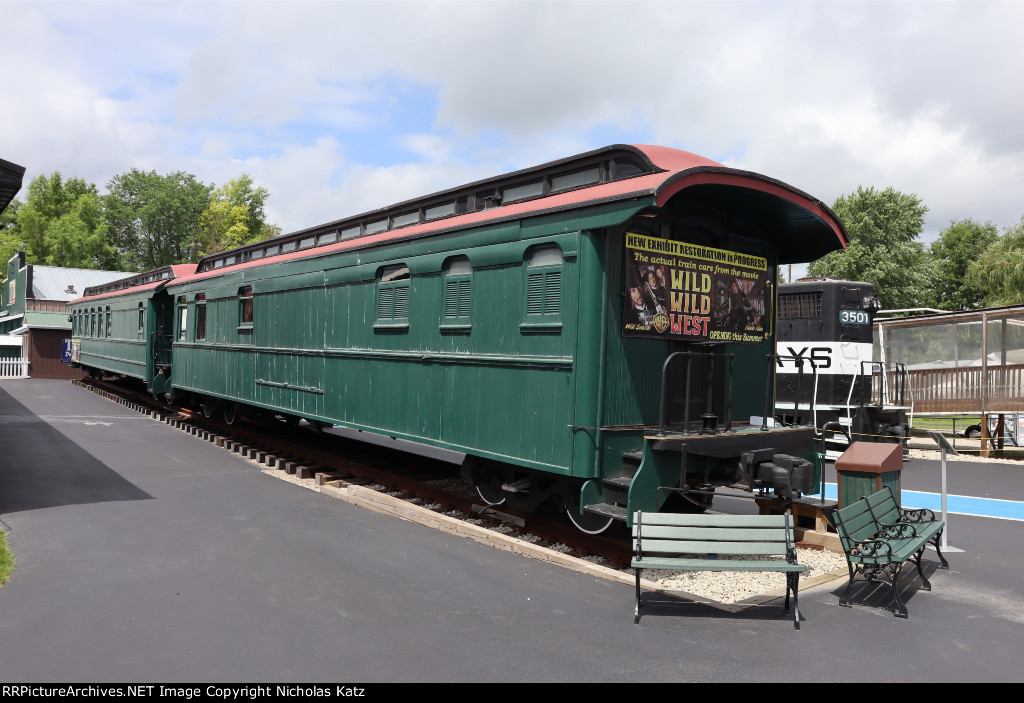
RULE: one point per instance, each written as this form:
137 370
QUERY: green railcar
593 332
125 328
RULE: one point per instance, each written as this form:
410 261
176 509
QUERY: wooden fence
964 389
13 368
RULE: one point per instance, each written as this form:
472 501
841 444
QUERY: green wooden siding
319 347
126 350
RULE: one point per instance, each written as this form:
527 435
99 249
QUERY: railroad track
337 461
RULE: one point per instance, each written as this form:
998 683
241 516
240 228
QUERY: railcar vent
456 299
552 291
463 306
451 299
543 292
385 303
800 306
401 302
535 294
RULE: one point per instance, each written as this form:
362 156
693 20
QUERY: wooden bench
661 539
878 537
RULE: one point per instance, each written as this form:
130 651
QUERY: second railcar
125 327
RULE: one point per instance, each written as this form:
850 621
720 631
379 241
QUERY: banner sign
683 291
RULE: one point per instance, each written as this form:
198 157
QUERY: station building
34 317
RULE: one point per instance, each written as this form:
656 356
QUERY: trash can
866 468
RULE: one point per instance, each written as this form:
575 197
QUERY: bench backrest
854 523
883 506
667 534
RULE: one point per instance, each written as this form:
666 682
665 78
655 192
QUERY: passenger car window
200 317
245 302
182 318
393 295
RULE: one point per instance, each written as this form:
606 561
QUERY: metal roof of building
53 283
36 319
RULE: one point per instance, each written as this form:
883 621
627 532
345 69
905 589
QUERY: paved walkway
145 554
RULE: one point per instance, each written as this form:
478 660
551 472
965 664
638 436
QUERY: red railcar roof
669 171
811 229
124 286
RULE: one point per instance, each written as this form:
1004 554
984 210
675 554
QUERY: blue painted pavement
955 504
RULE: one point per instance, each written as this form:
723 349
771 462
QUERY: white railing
13 368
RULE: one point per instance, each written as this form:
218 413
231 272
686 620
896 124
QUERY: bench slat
729 534
880 498
859 526
673 546
717 565
683 520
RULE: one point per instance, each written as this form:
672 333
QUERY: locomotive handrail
662 412
900 371
772 359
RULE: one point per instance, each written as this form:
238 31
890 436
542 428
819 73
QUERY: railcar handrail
799 360
709 407
899 371
162 352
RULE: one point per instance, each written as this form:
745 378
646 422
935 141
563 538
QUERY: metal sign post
944 446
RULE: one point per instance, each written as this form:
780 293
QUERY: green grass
6 559
945 423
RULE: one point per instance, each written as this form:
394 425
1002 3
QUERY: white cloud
340 107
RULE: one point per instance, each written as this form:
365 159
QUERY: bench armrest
871 548
900 530
916 516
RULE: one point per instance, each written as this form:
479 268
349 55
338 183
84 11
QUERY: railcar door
162 332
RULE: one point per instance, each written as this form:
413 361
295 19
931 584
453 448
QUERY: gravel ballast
736 586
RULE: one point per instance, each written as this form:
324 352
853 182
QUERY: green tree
61 224
80 238
957 247
235 216
999 270
10 235
883 227
9 216
155 220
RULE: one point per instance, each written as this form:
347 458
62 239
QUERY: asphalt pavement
147 555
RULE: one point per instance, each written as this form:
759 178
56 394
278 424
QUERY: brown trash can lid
871 457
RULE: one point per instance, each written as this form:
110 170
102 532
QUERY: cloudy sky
342 107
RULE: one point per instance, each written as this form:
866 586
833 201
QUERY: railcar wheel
590 524
490 493
488 485
208 409
230 413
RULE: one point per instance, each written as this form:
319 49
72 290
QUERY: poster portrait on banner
683 291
